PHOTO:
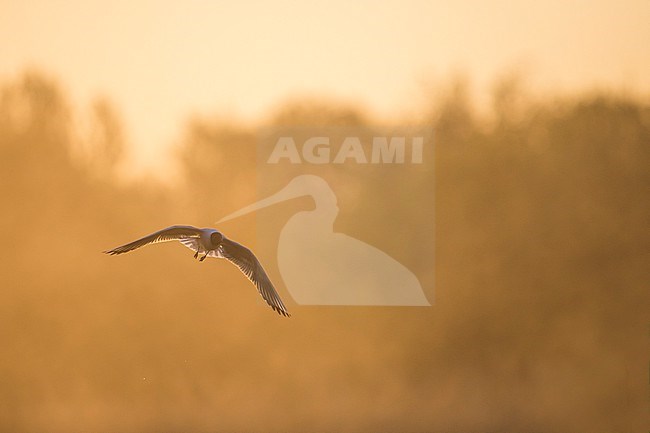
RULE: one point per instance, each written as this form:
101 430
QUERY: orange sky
159 62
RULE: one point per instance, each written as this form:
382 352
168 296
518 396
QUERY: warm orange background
541 122
163 61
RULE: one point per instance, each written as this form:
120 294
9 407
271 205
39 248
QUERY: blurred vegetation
541 274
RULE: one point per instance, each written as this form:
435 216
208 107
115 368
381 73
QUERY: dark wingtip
281 312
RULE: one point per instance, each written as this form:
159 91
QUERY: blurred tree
218 164
106 141
541 254
34 124
316 113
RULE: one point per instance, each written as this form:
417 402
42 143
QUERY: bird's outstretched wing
173 233
246 261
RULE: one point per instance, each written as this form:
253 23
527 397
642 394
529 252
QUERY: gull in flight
211 243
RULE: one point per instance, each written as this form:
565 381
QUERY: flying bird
212 243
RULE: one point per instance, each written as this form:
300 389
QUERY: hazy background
542 246
162 62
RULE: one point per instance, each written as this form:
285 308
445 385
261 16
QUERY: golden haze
541 271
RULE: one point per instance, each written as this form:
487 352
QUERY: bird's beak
292 190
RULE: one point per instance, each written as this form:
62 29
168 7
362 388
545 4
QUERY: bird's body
208 242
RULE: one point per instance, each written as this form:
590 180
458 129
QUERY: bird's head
216 238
